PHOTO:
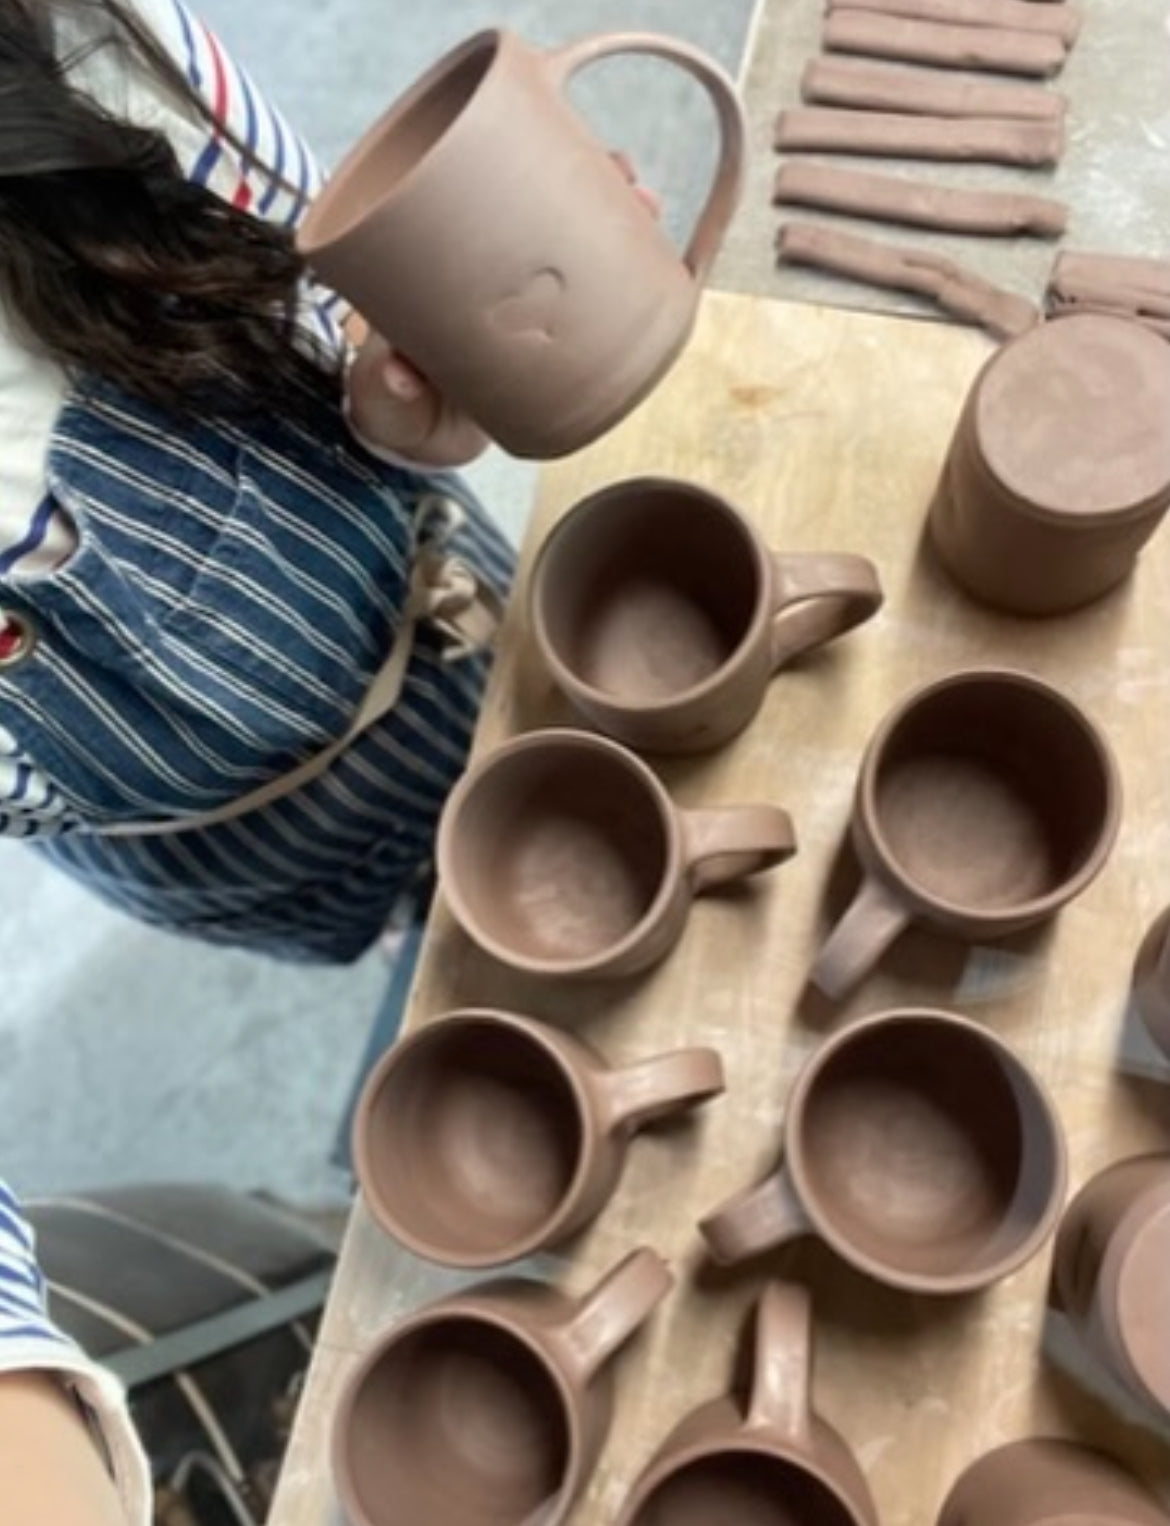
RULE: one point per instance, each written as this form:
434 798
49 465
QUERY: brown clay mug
1111 1272
1044 1482
488 1408
486 232
484 1136
919 1148
662 615
777 1464
1059 470
1151 981
560 853
986 800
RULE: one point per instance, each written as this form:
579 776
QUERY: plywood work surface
827 428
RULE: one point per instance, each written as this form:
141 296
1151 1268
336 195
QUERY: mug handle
876 917
819 596
755 1220
782 1376
563 63
654 1088
606 1317
732 841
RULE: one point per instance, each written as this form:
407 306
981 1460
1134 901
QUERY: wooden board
828 428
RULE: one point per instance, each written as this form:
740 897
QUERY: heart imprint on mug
531 311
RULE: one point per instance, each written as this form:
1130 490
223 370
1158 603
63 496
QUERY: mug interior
990 795
474 1140
745 1487
401 139
458 1422
558 851
646 593
927 1152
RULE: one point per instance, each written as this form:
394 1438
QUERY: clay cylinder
1048 1483
1059 469
1111 1272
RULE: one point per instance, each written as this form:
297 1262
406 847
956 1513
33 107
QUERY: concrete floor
131 1055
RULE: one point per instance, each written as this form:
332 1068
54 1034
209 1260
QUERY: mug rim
575 739
312 239
459 1307
747 1441
825 1227
435 1030
564 675
878 856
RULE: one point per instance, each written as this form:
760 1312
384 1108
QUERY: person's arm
50 1463
69 1455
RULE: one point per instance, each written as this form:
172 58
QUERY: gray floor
131 1055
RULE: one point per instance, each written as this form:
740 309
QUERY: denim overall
234 592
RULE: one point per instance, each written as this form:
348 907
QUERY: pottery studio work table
828 428
1113 173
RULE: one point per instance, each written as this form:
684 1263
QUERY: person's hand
394 409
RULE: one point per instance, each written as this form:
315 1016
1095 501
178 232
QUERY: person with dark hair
243 601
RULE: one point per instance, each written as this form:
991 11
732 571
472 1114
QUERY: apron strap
446 592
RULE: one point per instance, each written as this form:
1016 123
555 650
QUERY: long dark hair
111 261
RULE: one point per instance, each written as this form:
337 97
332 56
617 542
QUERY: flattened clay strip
924 92
889 198
957 290
1063 21
988 141
1145 278
933 42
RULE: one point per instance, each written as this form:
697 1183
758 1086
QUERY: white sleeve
29 1341
30 803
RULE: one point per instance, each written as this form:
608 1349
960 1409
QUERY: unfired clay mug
560 853
1151 981
1111 1272
1059 471
485 1136
986 801
778 1464
486 232
919 1148
662 615
488 1408
1042 1482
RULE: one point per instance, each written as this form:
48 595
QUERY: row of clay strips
895 199
955 289
1125 285
1063 20
867 86
953 47
988 140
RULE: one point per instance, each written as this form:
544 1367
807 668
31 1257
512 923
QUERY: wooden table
828 428
1112 174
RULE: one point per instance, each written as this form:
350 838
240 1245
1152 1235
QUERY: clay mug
662 615
1151 981
485 1136
560 853
1059 470
486 232
1111 1272
777 1464
919 1148
1044 1482
490 1407
985 801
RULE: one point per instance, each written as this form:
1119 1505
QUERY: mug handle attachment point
641 1093
563 63
733 841
819 596
875 918
755 1220
608 1316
